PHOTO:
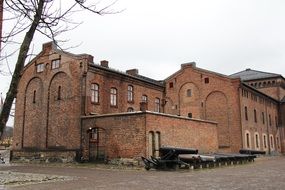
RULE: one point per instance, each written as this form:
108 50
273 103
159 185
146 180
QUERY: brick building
68 107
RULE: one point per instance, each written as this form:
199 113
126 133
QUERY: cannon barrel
251 152
177 151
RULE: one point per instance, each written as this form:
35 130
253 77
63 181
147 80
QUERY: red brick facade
127 135
67 103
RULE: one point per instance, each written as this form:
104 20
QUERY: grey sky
225 36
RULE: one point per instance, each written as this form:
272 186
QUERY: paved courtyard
265 173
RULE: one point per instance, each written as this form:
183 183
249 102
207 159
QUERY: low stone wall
44 156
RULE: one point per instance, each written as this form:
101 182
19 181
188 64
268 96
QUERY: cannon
169 158
251 152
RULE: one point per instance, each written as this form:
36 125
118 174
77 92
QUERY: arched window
247 139
151 143
157 105
256 141
271 142
157 143
113 97
94 93
130 93
264 141
144 98
130 109
277 142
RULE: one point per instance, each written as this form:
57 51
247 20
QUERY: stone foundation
45 156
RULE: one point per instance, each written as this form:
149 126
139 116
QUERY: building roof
250 74
283 100
137 76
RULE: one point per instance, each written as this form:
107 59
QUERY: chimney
90 58
104 63
49 46
191 64
132 72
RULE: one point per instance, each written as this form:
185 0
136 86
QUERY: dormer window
40 67
55 64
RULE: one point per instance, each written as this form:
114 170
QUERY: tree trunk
11 94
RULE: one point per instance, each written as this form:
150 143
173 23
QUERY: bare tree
48 17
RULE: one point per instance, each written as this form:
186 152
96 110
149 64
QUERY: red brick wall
127 134
107 80
217 100
183 132
261 104
49 122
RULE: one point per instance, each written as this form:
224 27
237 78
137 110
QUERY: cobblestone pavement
265 173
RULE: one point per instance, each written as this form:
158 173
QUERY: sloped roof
283 100
250 74
137 76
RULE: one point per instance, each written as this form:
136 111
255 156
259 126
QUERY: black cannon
169 158
251 152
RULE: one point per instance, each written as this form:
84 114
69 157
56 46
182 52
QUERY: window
151 143
40 67
59 93
144 98
130 109
263 120
264 141
245 113
256 141
130 93
157 105
113 97
271 141
206 80
34 96
189 93
276 121
94 93
94 134
277 142
55 64
247 140
255 118
270 120
171 85
157 143
190 115
154 143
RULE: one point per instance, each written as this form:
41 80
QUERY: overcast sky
156 36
